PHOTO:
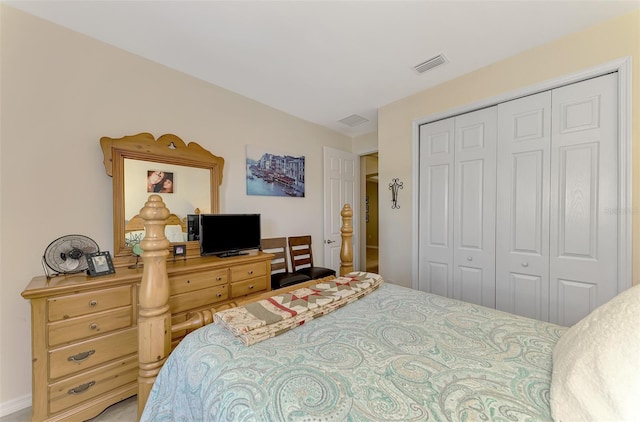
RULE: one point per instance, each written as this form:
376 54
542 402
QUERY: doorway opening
369 211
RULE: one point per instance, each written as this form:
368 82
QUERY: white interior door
522 237
435 267
341 186
584 198
474 207
550 232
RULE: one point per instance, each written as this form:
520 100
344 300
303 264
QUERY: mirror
187 177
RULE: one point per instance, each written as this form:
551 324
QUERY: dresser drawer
247 271
89 325
65 307
85 386
246 287
87 354
196 281
198 298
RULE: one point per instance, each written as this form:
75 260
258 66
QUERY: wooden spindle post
346 250
154 316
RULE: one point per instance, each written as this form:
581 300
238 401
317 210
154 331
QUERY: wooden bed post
346 250
154 316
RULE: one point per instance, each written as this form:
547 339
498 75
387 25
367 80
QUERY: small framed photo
99 263
159 181
179 250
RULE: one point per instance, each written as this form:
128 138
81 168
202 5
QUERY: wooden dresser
84 330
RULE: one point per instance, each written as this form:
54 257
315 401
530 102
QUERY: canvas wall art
271 173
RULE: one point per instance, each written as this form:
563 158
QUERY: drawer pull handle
93 326
250 286
81 356
218 278
93 303
81 388
219 295
250 272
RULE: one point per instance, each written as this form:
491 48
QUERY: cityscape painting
273 174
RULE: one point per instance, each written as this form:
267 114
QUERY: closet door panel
522 238
577 299
469 284
584 198
471 194
474 207
526 295
435 268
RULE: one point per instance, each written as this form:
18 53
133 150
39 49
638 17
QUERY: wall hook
394 187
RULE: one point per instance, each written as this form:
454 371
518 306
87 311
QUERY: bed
392 355
400 354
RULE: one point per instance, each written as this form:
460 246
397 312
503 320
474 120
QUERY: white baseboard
15 405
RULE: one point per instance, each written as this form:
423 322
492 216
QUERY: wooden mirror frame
167 149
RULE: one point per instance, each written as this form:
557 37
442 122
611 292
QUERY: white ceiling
325 60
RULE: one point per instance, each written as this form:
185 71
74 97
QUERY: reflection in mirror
187 177
187 187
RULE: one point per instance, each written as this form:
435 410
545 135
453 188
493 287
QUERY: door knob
328 242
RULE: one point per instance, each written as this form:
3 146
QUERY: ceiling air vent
431 63
353 120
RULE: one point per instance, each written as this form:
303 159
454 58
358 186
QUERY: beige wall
365 144
613 39
61 92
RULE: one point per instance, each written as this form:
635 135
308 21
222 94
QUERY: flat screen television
229 234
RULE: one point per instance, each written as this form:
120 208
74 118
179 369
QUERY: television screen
229 234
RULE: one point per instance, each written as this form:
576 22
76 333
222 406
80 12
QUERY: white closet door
435 268
522 237
474 207
584 198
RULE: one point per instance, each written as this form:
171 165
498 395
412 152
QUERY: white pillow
596 364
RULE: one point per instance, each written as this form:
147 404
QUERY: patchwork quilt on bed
278 314
395 354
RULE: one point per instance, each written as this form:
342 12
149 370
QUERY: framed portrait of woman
159 181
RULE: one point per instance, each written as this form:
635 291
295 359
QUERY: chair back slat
300 252
276 246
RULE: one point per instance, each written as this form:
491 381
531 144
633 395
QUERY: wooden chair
280 275
302 258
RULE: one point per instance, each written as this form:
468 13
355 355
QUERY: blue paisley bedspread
395 355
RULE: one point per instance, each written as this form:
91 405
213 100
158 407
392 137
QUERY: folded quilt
270 317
